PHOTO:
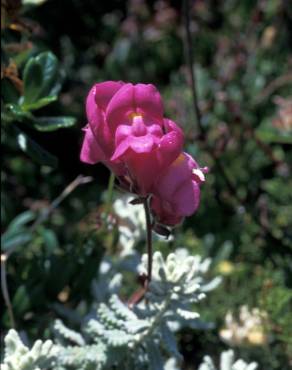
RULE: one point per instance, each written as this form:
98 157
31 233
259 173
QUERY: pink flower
98 144
177 191
127 132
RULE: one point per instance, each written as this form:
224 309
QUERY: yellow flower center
133 115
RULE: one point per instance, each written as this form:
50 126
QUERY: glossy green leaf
47 124
39 103
35 151
41 79
32 78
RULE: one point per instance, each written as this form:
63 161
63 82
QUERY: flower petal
91 152
104 91
148 99
171 144
122 132
96 102
143 168
163 212
172 177
137 99
93 112
121 149
142 144
169 148
187 198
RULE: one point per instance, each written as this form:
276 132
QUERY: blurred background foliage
52 52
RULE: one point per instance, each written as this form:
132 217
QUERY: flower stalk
149 239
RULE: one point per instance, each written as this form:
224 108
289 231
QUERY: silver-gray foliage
118 336
17 356
227 362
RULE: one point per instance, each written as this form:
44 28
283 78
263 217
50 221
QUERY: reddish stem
149 240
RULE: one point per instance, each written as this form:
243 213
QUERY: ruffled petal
169 126
91 152
173 176
148 99
191 163
99 127
177 191
187 198
93 112
104 91
155 130
96 102
135 99
122 132
121 149
120 106
170 147
142 144
198 175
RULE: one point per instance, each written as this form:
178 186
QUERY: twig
149 240
190 60
80 180
272 86
137 297
140 293
5 291
190 57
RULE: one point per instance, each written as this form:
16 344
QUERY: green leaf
16 113
21 301
50 239
47 124
51 74
16 233
35 151
39 103
9 241
32 78
21 220
41 78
